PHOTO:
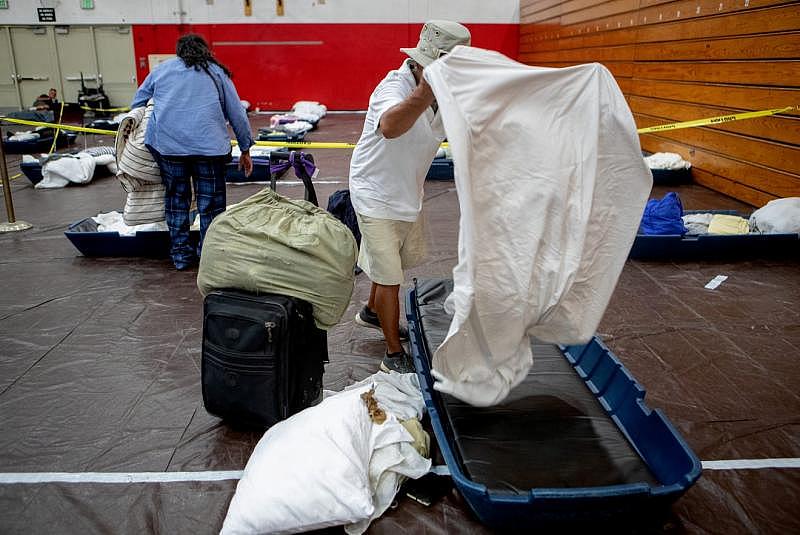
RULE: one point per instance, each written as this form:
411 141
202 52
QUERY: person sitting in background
188 136
48 101
53 94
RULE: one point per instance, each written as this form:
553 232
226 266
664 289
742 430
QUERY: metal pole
13 225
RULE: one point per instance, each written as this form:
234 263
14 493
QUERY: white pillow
779 216
307 472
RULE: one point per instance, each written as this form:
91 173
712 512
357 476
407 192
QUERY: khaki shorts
388 247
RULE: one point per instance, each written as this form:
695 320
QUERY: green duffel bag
270 244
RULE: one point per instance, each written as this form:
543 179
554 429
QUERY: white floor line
179 477
751 464
117 477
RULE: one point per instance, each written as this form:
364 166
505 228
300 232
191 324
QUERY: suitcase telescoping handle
300 170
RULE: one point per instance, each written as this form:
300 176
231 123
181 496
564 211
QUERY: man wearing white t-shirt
402 132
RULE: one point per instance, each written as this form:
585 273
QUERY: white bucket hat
437 38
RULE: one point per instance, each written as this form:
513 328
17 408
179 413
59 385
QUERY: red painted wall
341 72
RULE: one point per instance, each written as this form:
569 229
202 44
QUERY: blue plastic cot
574 445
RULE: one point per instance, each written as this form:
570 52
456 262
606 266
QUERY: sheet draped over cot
551 185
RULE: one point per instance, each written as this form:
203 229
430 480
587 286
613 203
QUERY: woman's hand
246 163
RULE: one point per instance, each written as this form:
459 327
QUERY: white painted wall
264 11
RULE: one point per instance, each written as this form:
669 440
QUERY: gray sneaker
368 318
399 362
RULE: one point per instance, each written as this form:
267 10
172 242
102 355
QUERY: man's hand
425 91
246 163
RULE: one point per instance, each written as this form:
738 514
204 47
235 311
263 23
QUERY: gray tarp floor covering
99 371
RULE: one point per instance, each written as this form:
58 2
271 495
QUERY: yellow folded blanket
728 224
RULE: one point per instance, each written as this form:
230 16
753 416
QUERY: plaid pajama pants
178 173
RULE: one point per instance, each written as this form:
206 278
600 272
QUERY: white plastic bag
307 472
330 464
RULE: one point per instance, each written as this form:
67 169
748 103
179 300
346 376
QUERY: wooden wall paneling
754 47
769 46
677 12
545 14
710 21
687 9
658 20
625 84
571 6
541 45
770 154
531 42
780 128
646 3
613 7
553 22
732 188
613 22
751 98
625 36
529 8
534 32
753 21
693 59
583 55
576 6
774 73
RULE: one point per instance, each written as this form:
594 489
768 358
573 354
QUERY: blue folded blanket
663 216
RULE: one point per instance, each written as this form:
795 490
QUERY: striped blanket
138 172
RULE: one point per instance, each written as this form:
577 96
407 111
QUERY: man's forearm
399 119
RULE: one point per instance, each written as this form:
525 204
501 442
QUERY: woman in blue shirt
193 98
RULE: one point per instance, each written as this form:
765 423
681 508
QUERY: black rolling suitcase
262 357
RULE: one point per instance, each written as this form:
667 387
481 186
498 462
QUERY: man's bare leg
387 306
371 303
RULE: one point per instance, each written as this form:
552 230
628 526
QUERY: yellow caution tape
58 130
59 126
87 108
715 120
331 145
304 144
